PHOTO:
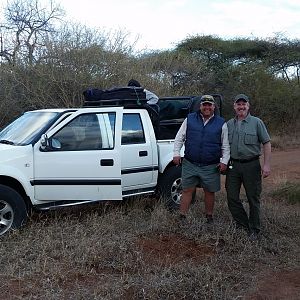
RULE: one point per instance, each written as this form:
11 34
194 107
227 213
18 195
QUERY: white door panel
85 167
136 169
137 156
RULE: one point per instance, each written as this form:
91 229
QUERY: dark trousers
248 174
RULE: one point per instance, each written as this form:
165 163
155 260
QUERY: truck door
139 153
83 160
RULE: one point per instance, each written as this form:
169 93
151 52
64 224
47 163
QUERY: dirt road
285 166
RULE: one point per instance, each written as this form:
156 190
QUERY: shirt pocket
251 138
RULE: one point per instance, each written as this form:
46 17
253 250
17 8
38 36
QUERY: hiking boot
254 236
238 226
209 219
181 220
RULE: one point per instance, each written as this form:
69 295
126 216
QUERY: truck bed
173 111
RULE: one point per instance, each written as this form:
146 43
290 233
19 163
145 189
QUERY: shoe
209 219
182 219
254 236
238 226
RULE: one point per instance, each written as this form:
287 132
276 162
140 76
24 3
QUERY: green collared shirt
246 136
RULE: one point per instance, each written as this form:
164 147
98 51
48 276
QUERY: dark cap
133 82
207 99
241 97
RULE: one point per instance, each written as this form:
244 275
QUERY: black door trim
139 170
76 182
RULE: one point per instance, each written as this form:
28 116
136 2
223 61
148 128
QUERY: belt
245 160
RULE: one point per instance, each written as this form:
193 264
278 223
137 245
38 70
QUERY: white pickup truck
61 157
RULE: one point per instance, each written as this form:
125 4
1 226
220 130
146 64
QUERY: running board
138 192
64 203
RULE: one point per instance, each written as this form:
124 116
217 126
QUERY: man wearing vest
207 152
246 134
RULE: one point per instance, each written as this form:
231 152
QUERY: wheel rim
6 216
176 191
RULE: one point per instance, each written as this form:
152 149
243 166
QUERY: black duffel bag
93 94
128 92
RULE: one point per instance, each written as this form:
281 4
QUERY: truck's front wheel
13 212
169 187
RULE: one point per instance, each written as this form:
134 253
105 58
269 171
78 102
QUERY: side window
86 132
132 130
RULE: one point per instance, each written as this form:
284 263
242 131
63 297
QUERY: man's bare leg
209 200
186 199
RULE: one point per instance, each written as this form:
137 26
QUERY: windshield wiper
7 142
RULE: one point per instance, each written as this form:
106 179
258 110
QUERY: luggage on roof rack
128 96
166 116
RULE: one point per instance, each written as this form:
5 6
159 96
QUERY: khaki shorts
207 177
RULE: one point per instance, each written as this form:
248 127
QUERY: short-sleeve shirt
246 137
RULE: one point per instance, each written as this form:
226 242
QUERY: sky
161 24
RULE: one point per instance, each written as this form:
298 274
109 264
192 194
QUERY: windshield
27 127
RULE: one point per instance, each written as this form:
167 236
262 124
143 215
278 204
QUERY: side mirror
49 144
44 141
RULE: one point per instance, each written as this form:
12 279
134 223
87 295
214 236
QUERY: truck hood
11 153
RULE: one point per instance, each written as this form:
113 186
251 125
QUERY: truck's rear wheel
13 212
170 188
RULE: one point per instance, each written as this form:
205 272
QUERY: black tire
169 187
13 212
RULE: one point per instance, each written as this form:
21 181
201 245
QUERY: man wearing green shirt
246 134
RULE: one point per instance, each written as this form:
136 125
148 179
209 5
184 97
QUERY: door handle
106 162
143 153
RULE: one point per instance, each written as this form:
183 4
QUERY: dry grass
279 179
283 142
289 191
137 250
